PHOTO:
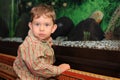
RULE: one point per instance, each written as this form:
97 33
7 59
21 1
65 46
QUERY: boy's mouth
41 34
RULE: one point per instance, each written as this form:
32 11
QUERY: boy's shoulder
24 45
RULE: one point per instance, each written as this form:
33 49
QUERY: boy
35 56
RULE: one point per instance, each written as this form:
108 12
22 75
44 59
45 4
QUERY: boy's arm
36 63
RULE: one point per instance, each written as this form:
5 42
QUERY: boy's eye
37 24
47 24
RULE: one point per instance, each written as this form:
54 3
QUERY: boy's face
42 27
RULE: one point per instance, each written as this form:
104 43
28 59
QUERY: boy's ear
30 25
54 28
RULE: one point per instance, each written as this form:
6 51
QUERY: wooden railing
7 72
82 75
6 69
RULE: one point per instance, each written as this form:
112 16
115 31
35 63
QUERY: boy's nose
41 28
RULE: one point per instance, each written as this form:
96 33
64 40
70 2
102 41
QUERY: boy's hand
64 67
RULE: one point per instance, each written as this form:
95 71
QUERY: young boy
35 56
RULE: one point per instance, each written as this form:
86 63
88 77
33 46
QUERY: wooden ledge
6 67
